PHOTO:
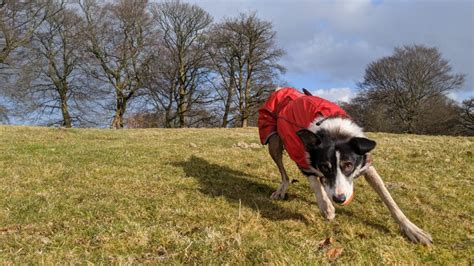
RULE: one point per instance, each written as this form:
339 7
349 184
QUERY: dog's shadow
359 218
222 181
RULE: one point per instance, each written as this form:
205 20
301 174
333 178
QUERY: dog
329 148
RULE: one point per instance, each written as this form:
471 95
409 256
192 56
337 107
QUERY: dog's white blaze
342 184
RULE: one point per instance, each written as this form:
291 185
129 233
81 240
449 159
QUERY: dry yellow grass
191 196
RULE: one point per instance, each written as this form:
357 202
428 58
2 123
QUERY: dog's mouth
347 200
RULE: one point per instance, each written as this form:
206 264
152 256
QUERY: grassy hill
194 196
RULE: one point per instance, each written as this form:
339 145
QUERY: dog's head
336 161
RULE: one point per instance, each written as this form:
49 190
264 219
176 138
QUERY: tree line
167 60
406 92
137 63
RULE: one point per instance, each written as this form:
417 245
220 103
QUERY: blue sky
330 43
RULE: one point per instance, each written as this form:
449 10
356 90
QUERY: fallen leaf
325 242
334 253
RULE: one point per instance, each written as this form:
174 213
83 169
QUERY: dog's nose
341 198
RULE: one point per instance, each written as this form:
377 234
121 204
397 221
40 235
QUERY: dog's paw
325 207
278 195
415 234
328 212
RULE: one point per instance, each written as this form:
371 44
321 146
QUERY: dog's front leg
324 203
275 148
412 231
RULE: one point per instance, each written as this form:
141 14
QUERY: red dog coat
286 112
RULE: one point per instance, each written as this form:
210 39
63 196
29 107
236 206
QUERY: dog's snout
341 198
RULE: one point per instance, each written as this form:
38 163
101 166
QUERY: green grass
132 196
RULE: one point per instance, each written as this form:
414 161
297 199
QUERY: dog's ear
310 140
362 146
306 92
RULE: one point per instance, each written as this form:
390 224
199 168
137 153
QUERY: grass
191 196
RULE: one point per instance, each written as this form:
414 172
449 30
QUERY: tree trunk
410 118
248 84
121 105
182 107
67 121
245 122
225 118
168 108
62 89
168 118
241 109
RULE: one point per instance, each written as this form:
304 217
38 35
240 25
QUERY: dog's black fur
322 153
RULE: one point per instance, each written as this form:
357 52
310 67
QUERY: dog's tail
306 92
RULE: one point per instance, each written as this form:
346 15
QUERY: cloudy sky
329 43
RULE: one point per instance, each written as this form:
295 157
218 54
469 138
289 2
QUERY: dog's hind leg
275 148
324 203
412 231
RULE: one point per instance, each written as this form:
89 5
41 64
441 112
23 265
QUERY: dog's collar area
321 121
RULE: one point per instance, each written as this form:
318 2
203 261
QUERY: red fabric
286 112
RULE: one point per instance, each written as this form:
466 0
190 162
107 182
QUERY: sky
329 43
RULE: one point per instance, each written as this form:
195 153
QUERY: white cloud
453 96
335 40
335 94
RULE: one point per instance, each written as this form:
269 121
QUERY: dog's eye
347 166
323 180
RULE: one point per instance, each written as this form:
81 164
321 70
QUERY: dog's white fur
343 185
337 126
322 199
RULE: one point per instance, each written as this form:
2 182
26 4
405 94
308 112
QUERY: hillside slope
193 195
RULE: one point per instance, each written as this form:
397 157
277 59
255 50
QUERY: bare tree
18 21
226 56
407 80
119 36
53 62
370 114
183 27
161 93
245 56
467 114
439 115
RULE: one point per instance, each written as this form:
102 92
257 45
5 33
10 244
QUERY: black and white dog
328 147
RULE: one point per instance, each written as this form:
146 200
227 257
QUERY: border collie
328 147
